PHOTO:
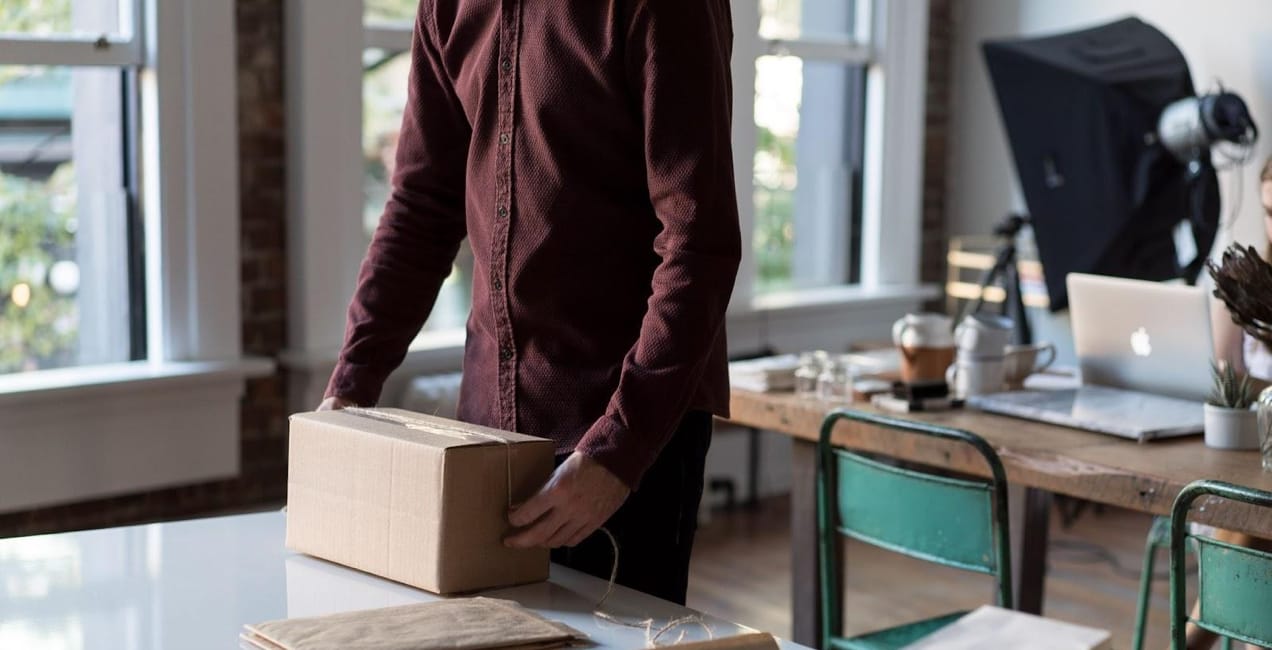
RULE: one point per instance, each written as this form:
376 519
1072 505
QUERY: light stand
1005 267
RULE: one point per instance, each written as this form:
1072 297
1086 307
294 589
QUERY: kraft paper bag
754 641
460 624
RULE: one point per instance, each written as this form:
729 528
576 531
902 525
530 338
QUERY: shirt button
503 138
505 354
502 212
506 64
497 284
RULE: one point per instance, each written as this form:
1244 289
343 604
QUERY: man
584 149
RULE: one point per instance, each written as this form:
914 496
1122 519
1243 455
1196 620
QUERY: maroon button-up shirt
583 146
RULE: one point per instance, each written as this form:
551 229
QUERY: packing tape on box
439 428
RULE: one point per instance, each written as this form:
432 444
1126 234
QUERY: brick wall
937 120
263 274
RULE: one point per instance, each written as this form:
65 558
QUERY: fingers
538 534
334 403
530 511
565 534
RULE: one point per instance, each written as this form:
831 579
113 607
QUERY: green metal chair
954 522
1234 583
1158 539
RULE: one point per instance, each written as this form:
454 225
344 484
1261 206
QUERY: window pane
809 117
810 19
383 96
64 17
64 256
389 11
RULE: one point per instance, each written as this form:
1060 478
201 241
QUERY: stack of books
766 374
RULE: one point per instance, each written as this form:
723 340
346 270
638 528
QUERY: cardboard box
417 499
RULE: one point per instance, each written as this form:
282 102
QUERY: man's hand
335 404
578 499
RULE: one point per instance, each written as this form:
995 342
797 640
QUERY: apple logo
1141 344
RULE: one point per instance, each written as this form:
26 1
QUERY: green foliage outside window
390 10
38 325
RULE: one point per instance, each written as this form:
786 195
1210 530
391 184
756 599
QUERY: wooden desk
1044 459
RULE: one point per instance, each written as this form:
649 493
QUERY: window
388 25
828 142
71 272
810 97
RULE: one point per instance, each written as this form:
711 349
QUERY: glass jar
808 372
836 380
1265 427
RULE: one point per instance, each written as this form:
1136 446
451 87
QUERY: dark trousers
656 525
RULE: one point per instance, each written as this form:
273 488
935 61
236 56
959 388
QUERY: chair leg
1146 583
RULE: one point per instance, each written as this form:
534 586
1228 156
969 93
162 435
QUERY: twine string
652 634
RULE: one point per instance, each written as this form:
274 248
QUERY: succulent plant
1231 389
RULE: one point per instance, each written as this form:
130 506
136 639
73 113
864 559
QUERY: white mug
927 330
975 378
1025 360
983 335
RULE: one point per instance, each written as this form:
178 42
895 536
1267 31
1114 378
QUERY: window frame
179 408
325 43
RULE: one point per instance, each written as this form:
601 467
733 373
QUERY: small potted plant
1230 422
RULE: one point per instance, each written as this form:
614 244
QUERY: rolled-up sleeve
678 68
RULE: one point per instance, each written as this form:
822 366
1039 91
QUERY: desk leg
1030 515
805 581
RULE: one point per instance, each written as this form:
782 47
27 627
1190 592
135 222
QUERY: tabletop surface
194 584
1094 466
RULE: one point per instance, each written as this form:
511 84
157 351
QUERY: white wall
1223 40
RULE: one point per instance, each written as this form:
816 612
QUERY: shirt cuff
615 447
357 383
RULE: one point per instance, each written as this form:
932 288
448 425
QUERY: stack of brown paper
460 624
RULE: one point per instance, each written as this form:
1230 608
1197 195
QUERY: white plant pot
1231 428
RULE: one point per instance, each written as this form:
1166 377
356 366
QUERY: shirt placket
509 21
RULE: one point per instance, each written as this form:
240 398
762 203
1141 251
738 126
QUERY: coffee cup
927 330
926 346
982 377
1024 360
983 335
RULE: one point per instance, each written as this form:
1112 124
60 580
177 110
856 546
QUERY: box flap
417 428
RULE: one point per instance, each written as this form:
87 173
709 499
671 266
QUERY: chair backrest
1234 583
951 521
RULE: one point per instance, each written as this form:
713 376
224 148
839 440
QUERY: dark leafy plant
1243 281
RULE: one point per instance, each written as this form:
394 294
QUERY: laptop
1144 350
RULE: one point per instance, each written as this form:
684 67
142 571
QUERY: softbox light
1081 110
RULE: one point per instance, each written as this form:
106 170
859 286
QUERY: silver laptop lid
1144 336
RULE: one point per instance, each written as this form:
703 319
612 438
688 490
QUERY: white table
194 584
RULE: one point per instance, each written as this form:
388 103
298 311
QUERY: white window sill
77 434
841 296
133 378
826 318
